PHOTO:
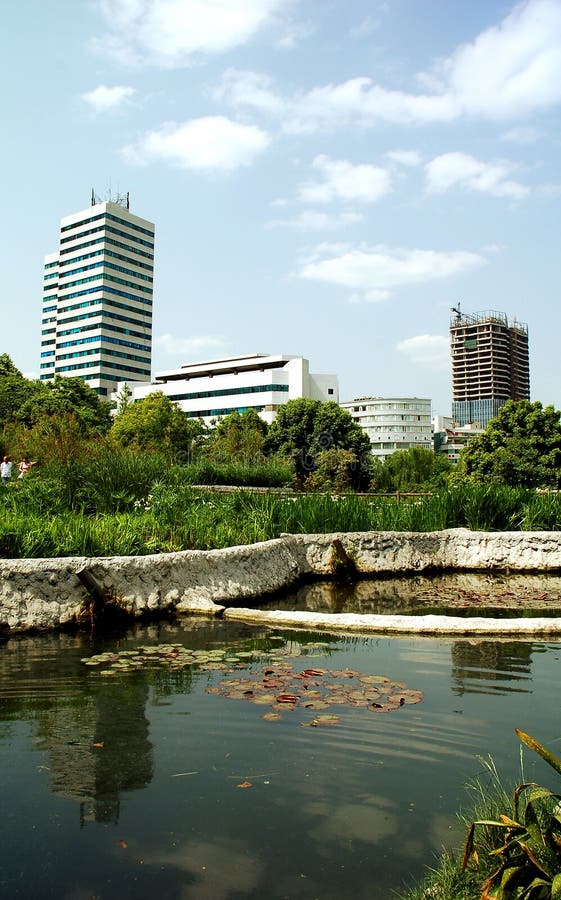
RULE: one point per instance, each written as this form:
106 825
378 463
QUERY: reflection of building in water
485 667
99 748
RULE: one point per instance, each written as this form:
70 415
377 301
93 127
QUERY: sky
327 179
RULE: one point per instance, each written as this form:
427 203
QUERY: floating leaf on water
287 698
316 704
376 679
245 784
264 699
271 717
313 673
323 719
411 696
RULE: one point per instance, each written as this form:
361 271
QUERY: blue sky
327 179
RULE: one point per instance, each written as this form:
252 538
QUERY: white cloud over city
430 350
103 98
210 143
172 33
508 71
461 170
344 181
368 269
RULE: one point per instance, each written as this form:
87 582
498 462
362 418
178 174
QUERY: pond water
487 594
159 780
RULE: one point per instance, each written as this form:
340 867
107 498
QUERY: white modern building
97 298
258 381
393 423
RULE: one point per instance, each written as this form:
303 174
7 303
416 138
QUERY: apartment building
490 365
393 423
97 297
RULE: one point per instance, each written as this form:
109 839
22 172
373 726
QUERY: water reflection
152 763
458 593
499 666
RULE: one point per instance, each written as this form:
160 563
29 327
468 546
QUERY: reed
135 506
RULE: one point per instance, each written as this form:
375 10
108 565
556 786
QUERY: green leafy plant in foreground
529 851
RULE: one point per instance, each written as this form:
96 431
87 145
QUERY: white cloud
405 157
172 32
174 345
508 71
462 170
524 134
375 296
341 180
103 98
240 87
294 33
549 190
379 268
431 350
209 143
312 220
365 28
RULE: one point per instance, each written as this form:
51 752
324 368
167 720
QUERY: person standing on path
6 470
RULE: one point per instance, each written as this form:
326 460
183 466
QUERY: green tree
63 397
237 437
156 423
7 367
124 398
304 428
414 469
520 446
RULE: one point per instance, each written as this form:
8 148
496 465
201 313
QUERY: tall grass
125 504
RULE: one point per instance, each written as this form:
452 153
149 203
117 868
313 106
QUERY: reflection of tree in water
486 667
99 748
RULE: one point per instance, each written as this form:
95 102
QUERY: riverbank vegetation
513 841
140 481
120 503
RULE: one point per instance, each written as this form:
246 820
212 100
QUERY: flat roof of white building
229 365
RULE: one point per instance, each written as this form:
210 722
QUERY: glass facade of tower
97 298
490 365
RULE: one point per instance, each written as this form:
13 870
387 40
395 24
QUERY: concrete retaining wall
49 593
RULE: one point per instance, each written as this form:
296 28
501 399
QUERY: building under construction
490 365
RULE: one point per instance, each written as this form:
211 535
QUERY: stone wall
49 593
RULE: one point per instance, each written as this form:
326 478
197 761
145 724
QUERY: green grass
125 504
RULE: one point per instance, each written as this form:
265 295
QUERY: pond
166 779
493 595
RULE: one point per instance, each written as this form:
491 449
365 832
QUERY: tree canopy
414 469
156 423
64 396
520 446
303 429
237 436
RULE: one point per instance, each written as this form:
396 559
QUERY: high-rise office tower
490 365
97 297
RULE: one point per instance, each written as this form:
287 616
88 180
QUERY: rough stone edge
203 582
